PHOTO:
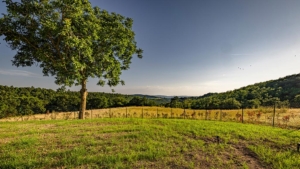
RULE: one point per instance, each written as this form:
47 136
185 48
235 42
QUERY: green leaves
69 39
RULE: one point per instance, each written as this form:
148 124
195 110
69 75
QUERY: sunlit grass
145 143
263 115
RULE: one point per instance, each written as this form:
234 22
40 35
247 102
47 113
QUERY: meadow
265 115
146 143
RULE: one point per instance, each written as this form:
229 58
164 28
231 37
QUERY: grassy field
282 118
146 143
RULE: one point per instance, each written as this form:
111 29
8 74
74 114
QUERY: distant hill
153 96
284 91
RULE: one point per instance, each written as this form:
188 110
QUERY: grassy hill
146 143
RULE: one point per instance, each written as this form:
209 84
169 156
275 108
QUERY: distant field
282 118
146 143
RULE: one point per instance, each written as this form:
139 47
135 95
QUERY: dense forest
284 92
29 100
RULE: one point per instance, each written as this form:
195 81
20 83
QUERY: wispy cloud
18 73
240 54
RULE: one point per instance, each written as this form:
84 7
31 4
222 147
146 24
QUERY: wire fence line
280 117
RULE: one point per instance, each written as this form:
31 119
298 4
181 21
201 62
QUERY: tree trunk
83 96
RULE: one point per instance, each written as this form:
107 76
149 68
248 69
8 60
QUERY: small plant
182 115
258 115
164 115
251 115
293 115
87 114
172 114
194 115
200 114
224 115
216 115
238 116
286 119
207 115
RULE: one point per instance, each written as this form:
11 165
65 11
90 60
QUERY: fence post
274 115
242 114
91 113
126 112
142 112
110 115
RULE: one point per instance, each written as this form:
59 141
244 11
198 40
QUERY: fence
283 117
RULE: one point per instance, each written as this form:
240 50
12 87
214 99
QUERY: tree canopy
20 101
70 40
283 92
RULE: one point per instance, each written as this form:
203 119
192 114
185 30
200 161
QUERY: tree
136 101
231 103
187 103
253 103
175 102
30 105
70 40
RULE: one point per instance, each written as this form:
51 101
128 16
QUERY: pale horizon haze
192 47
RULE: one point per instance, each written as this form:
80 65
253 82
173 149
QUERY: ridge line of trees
16 101
284 92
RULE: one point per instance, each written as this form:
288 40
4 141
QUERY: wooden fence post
274 115
242 114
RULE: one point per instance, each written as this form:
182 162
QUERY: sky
192 47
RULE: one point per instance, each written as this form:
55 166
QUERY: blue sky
193 47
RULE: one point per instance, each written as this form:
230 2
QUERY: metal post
274 115
142 112
242 114
218 139
157 112
110 115
126 112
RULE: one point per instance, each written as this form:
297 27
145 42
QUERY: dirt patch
234 155
246 156
211 155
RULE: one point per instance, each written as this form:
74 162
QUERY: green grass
145 143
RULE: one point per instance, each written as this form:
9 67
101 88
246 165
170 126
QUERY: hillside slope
283 92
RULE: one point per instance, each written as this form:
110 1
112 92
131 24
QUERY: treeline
284 92
16 101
